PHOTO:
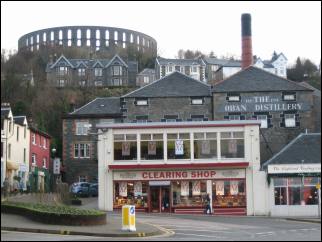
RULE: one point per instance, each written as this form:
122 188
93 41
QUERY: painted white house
277 65
171 167
15 140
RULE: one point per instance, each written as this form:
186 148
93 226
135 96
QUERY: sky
293 28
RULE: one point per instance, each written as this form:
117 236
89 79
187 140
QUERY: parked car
81 189
93 190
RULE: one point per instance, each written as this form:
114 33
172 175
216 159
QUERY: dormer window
62 70
233 97
81 71
141 102
289 96
197 101
98 71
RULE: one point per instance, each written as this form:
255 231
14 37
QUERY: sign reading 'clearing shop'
178 175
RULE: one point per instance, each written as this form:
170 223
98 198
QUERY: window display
131 193
205 145
296 190
226 193
178 146
189 193
152 146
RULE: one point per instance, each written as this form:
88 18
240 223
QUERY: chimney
247 52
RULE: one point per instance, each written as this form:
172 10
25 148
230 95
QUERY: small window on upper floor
263 119
233 98
234 117
290 120
141 102
81 71
82 128
33 137
98 71
197 101
289 96
45 143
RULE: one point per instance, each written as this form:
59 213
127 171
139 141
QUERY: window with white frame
81 150
63 70
33 159
81 71
141 102
290 120
117 70
289 97
45 143
170 68
82 128
194 68
178 146
205 145
232 145
98 71
33 137
263 119
146 79
233 98
125 146
61 83
197 101
44 162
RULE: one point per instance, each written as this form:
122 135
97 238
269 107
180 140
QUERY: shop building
171 167
293 176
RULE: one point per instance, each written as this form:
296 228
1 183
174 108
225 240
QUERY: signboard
56 167
128 218
159 183
179 147
281 169
177 175
271 103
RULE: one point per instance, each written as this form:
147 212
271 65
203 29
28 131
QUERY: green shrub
53 209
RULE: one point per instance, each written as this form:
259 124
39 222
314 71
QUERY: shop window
131 193
125 147
189 193
232 145
205 145
152 146
178 146
229 193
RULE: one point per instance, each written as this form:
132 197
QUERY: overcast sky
293 28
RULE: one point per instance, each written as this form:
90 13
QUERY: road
192 227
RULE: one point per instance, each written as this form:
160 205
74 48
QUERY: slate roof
316 92
90 63
147 71
5 112
35 130
182 62
223 62
19 120
175 84
305 147
254 79
100 106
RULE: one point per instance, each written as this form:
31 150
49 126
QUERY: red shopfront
181 191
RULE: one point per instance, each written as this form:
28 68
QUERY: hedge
62 215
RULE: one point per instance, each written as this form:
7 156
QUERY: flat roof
194 124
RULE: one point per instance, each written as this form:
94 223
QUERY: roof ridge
82 106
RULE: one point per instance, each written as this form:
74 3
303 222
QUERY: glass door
165 199
155 199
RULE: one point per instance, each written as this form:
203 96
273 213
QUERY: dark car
81 189
93 190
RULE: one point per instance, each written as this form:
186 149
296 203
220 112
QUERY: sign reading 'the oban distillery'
263 104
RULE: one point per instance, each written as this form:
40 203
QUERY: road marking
200 235
203 230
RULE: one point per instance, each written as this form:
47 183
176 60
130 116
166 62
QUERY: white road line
202 230
200 235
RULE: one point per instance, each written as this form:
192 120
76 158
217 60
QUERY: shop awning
11 165
180 166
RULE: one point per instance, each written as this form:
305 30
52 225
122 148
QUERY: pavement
113 227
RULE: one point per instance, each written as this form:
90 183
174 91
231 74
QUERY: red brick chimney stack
247 51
